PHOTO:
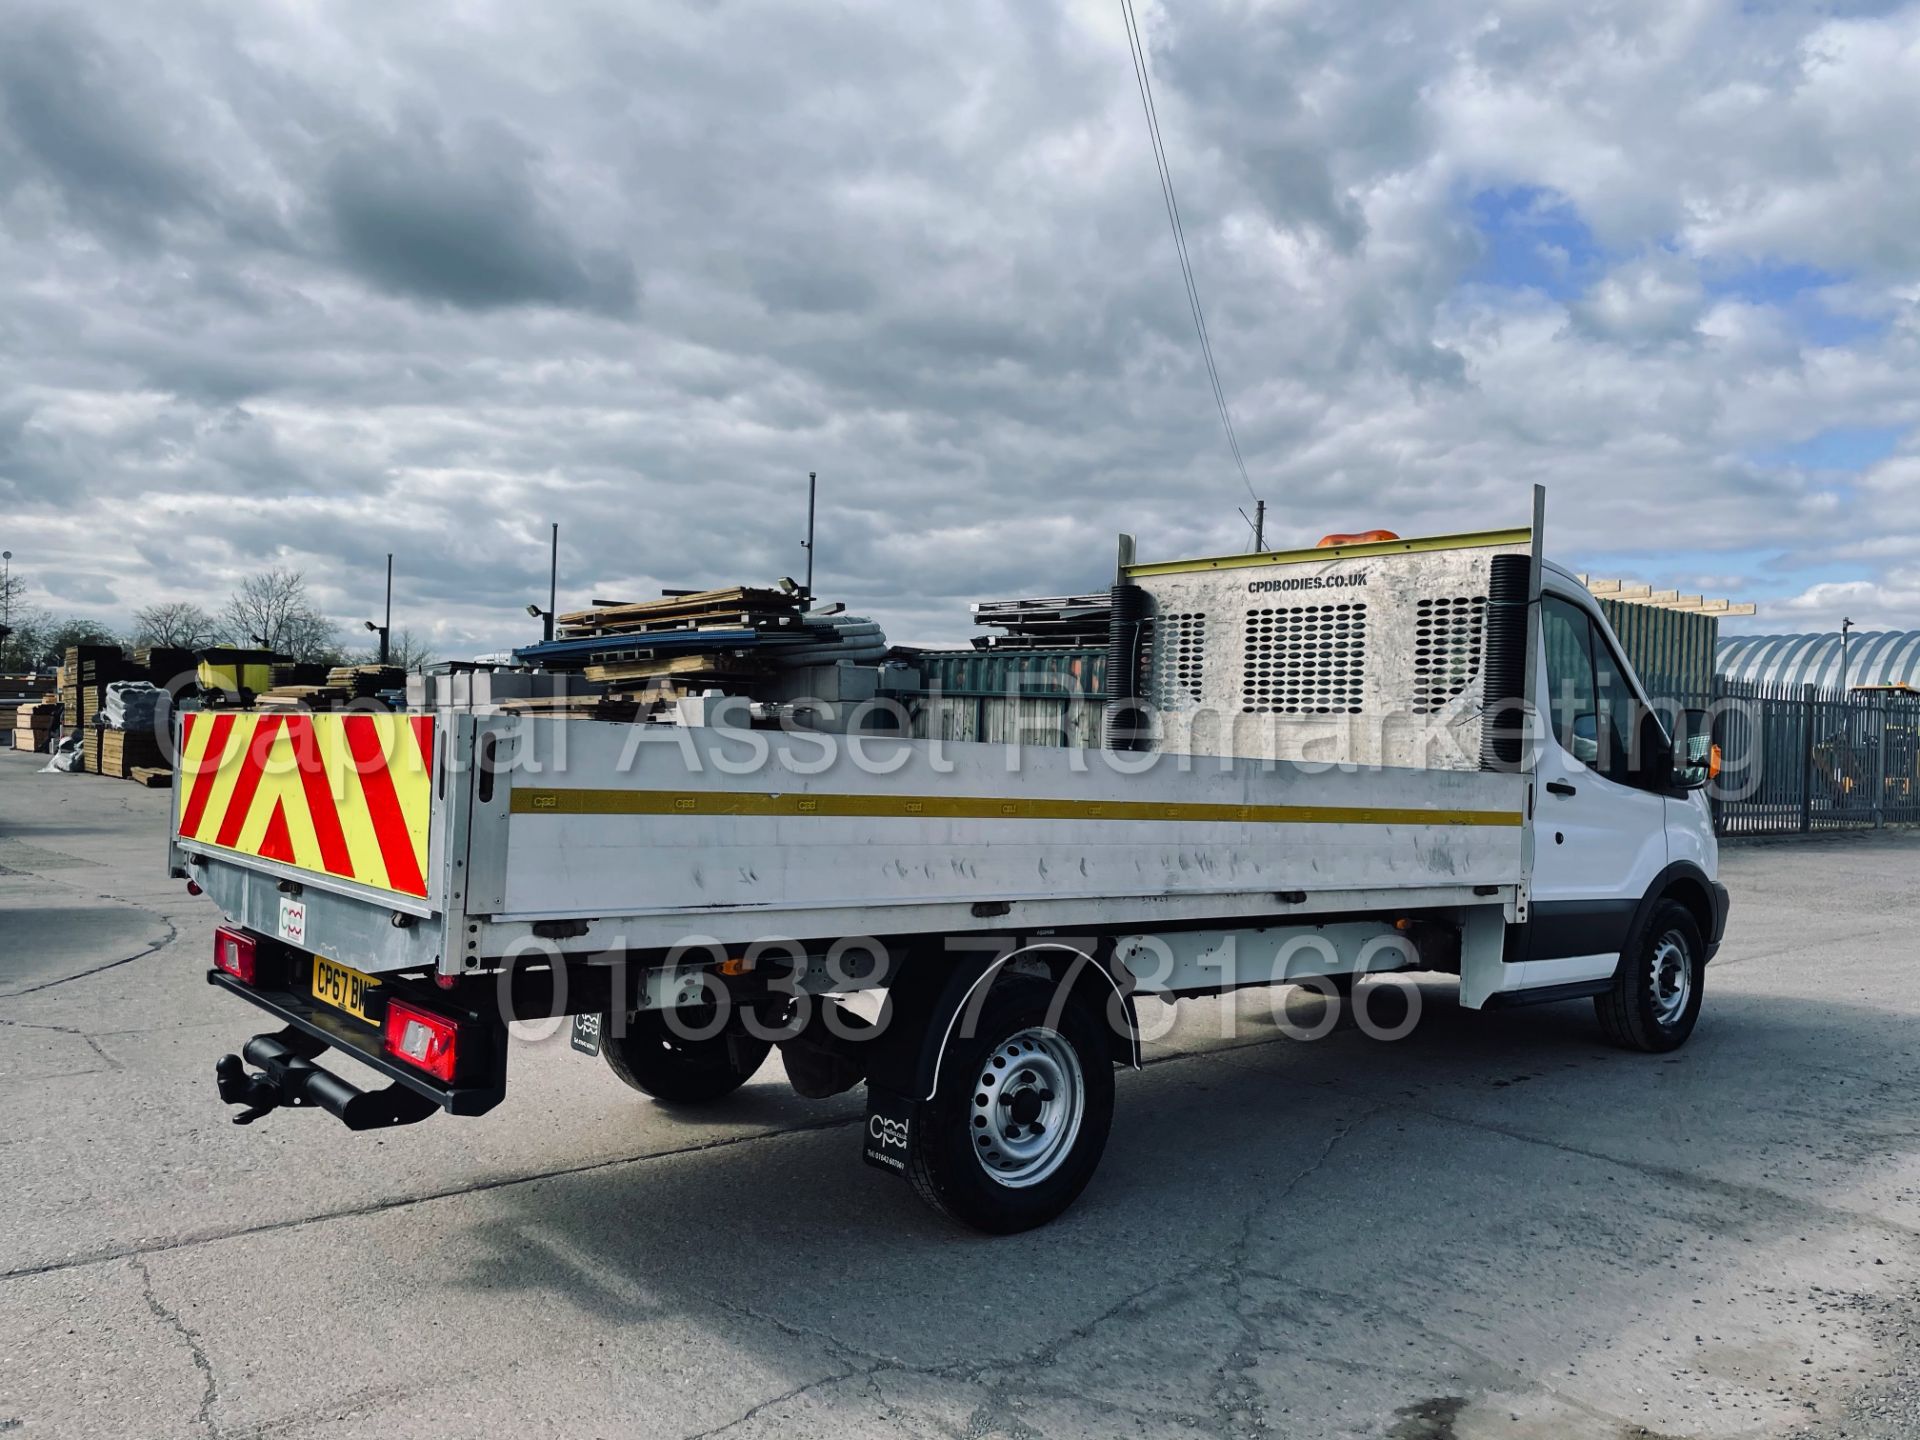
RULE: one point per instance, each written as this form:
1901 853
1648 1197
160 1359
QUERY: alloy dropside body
1323 765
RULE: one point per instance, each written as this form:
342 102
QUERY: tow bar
288 1076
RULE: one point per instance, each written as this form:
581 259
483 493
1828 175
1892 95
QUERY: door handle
1561 787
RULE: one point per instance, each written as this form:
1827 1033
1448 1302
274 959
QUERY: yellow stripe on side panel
1471 540
970 807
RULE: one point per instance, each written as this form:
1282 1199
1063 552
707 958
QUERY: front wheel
1020 1116
1655 1000
676 1060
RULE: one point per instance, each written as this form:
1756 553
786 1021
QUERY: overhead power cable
1180 239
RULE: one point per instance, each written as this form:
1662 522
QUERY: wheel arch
928 1001
1686 883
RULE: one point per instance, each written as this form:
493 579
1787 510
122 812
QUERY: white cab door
1599 840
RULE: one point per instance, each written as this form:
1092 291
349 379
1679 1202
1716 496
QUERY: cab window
1571 703
1589 698
1618 712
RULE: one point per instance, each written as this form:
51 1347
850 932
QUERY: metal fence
1797 759
1045 696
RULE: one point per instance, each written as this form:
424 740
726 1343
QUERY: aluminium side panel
709 830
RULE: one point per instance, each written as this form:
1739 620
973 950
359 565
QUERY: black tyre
1020 1118
656 1059
1655 999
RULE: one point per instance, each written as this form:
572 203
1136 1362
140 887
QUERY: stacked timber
118 753
83 681
25 708
649 652
299 697
575 707
310 687
33 725
364 682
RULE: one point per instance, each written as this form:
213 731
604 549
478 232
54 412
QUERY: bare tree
20 624
23 647
406 650
273 610
55 638
13 597
174 622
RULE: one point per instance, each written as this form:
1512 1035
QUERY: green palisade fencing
1798 759
1670 650
1048 695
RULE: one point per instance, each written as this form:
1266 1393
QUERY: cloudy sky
302 284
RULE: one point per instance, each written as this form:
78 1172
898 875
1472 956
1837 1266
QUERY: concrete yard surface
1495 1229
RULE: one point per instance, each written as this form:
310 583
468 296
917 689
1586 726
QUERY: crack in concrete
768 1404
377 1207
210 1391
84 1036
172 935
1008 1380
1704 1184
1237 1403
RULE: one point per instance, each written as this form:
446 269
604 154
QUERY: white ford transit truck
1358 759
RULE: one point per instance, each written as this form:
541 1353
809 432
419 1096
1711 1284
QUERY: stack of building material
298 697
1078 620
21 693
118 753
574 707
364 682
126 733
683 644
309 687
83 681
164 664
33 725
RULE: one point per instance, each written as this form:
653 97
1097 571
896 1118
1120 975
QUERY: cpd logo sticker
888 1132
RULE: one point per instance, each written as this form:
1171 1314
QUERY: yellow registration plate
344 989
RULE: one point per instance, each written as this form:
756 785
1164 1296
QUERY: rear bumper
288 1076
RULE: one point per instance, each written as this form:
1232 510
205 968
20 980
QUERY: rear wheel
1655 1000
1020 1117
656 1058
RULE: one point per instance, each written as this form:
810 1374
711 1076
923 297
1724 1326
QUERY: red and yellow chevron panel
338 794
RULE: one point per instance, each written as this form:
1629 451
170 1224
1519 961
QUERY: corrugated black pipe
1125 726
1504 648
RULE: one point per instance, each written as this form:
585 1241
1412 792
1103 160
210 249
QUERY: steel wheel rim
1671 975
1027 1107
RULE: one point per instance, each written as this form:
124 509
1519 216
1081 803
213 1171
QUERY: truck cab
1614 833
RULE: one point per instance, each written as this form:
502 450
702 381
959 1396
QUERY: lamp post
6 588
1846 624
553 587
383 631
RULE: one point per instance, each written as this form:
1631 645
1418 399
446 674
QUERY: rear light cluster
427 1041
234 952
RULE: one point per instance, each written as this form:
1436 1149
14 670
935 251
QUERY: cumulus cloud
302 286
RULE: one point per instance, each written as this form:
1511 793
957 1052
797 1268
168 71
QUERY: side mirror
1586 738
1696 759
